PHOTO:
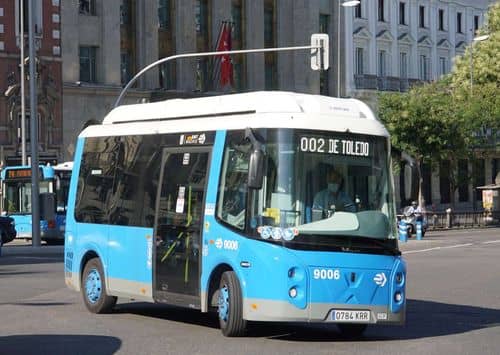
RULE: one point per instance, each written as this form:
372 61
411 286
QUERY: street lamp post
22 81
345 4
474 40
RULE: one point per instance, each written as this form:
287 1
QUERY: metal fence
444 220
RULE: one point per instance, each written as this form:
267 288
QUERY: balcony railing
388 83
385 83
366 81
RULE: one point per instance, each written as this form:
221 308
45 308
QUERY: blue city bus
212 204
16 202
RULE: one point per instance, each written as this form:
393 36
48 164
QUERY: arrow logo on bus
380 279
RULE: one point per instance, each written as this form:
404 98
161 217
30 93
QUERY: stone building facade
48 79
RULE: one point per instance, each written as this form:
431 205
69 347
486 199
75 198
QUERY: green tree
427 124
441 120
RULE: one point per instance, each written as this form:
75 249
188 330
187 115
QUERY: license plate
351 316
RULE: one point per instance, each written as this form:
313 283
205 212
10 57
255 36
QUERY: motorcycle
411 218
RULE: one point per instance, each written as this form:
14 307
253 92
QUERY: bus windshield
318 187
18 196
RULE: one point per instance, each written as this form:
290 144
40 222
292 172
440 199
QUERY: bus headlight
398 297
292 292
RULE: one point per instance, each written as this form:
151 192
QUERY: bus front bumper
267 310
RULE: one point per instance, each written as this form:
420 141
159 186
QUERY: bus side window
233 184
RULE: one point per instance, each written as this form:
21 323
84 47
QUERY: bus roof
236 111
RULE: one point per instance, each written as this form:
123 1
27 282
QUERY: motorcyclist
414 210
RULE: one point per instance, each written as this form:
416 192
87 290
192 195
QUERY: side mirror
256 169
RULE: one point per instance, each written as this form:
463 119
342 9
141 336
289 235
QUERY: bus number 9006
326 274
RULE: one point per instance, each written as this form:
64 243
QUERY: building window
87 7
382 65
427 183
359 61
476 24
402 13
202 44
444 180
479 178
125 67
268 27
403 65
167 75
381 10
88 64
270 41
421 16
459 22
164 14
443 66
37 5
27 127
357 10
201 17
125 14
441 20
463 180
424 67
237 15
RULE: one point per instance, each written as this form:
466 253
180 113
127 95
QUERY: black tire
231 319
350 330
93 286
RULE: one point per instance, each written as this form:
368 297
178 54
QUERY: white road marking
491 242
438 248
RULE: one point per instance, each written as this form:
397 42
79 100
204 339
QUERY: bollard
448 218
419 230
403 231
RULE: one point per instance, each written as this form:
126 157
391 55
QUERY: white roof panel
264 109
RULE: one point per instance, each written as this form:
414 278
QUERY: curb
28 250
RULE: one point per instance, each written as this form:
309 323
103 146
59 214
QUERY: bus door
178 226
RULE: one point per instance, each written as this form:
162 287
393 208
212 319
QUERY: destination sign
337 146
19 174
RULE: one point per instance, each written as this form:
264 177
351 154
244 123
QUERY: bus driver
333 198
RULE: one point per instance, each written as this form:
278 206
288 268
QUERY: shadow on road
48 344
170 313
424 319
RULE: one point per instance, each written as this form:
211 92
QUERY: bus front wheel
230 306
94 288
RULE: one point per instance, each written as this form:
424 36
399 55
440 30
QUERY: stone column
433 22
147 42
185 42
413 58
285 38
306 22
110 50
254 32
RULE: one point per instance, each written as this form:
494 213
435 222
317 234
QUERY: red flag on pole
224 66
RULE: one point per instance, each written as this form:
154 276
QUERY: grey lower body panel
266 310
